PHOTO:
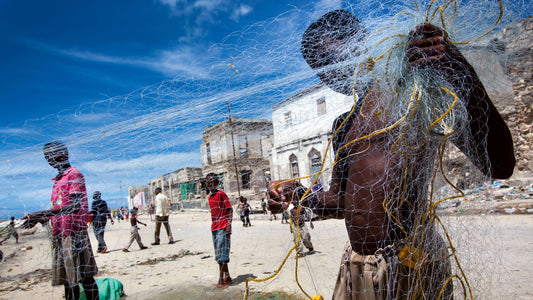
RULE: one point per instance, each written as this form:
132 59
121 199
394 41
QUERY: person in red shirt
72 258
221 216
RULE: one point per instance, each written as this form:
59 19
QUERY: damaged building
238 150
179 186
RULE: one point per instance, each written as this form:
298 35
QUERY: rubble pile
499 197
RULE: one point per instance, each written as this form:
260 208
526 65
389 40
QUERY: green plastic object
108 289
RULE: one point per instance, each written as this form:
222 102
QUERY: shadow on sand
211 292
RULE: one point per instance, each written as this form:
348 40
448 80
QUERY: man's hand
33 219
30 223
429 47
228 229
283 191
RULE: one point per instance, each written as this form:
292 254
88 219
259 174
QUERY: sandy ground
495 251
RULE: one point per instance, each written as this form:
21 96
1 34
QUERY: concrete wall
249 139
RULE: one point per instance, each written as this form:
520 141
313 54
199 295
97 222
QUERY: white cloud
15 131
170 3
199 14
323 6
178 61
186 7
90 118
329 4
166 62
139 164
210 5
43 193
240 11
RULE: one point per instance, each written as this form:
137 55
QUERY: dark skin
224 277
376 174
134 219
58 159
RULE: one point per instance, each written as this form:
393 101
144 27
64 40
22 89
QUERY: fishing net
258 72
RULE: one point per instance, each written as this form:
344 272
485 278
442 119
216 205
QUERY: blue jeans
222 243
99 230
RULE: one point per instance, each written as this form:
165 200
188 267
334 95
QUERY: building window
295 171
208 153
288 118
315 160
245 179
321 106
243 146
268 177
244 152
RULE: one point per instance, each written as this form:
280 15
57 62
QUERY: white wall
305 131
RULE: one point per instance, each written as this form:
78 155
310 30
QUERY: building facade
302 128
183 184
238 150
138 197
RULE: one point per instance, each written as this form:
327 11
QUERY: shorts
383 276
222 243
72 259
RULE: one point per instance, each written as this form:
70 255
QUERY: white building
302 129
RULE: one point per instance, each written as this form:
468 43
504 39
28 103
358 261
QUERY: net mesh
405 123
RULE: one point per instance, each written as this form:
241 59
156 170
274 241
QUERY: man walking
162 209
100 214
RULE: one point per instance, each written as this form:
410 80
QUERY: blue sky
130 85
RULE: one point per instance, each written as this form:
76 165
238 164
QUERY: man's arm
41 216
229 218
108 213
137 220
326 204
489 145
94 209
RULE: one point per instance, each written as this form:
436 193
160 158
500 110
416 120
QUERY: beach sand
495 251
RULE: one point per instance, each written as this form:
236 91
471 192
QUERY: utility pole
121 195
234 155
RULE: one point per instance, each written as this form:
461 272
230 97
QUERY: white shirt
161 205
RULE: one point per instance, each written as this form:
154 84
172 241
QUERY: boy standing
244 211
299 215
221 216
134 231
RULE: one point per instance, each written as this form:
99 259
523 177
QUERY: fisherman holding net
387 150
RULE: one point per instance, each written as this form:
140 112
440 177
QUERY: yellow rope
489 31
448 111
246 295
401 199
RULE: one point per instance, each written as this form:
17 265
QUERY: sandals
225 283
